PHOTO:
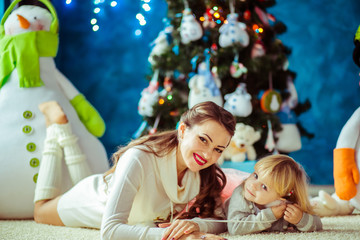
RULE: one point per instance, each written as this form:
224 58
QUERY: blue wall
2 7
321 34
109 66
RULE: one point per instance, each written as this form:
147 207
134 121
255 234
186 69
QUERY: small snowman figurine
28 78
161 44
239 102
204 86
233 32
190 29
149 97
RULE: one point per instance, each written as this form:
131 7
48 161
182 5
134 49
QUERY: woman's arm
211 225
128 178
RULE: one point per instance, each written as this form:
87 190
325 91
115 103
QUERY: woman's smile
199 160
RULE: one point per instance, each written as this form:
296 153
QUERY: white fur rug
341 227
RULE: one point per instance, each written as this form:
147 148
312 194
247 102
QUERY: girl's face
257 189
201 145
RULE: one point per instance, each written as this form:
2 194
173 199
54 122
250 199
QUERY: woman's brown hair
213 179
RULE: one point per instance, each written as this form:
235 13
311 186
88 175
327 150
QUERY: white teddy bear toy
330 205
241 145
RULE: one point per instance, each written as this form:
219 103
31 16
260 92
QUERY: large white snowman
28 77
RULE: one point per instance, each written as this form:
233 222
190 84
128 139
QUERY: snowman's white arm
350 132
67 87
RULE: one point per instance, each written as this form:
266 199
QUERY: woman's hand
293 213
178 229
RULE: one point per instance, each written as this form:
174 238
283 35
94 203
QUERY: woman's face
258 190
201 145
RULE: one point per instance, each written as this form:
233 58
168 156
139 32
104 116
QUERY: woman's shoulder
137 155
141 151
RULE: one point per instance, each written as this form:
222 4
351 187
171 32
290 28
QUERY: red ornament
168 84
247 15
209 13
214 47
152 131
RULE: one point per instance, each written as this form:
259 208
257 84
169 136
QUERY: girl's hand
293 213
279 210
180 228
199 235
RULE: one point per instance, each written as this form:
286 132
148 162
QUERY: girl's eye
264 187
255 176
202 139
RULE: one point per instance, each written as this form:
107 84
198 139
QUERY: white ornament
258 50
237 69
270 142
274 104
149 97
239 102
233 32
204 86
289 138
190 29
161 43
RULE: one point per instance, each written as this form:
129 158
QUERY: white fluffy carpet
342 227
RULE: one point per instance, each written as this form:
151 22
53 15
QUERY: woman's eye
202 139
264 187
218 150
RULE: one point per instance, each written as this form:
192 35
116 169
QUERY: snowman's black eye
35 18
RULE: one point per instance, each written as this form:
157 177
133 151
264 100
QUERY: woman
151 183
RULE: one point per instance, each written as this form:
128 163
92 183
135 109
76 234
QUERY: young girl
273 198
153 179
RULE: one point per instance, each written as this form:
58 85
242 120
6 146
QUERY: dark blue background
109 66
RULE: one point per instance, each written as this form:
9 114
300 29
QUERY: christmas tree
225 51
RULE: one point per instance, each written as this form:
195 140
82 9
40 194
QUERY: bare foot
53 113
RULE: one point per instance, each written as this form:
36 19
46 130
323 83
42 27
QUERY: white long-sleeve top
139 194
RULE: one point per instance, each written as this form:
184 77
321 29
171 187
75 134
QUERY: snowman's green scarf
22 52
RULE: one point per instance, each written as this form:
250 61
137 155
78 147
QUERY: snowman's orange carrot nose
24 23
